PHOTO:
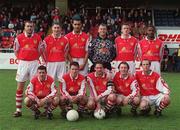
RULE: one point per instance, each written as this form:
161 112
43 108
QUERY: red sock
19 98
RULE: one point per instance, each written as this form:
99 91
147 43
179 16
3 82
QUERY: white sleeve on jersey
162 86
53 91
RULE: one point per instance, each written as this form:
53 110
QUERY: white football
72 115
99 114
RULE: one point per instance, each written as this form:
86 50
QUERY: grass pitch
169 121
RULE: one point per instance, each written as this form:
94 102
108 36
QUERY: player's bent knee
136 101
56 101
112 98
28 102
119 101
143 105
91 105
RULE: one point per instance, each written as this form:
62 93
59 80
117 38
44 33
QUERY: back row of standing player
55 49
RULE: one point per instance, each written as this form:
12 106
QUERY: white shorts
80 61
26 70
155 66
56 69
131 64
154 99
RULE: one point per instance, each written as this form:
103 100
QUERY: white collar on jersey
152 40
124 37
26 34
56 37
102 75
148 74
76 33
123 77
72 77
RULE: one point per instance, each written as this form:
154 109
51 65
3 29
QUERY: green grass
169 121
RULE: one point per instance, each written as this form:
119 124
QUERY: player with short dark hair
151 48
126 88
78 45
56 50
153 90
100 86
27 48
73 90
41 92
126 48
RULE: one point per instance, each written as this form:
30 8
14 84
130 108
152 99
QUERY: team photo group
64 80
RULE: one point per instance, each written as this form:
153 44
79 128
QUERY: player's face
56 30
74 70
123 69
145 65
42 75
125 29
77 25
28 28
102 30
150 32
99 69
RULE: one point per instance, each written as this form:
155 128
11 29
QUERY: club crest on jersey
157 46
123 49
61 43
83 39
126 85
104 82
131 43
39 93
35 41
48 85
26 46
79 83
75 45
152 81
97 87
71 89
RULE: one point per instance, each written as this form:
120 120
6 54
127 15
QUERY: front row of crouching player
107 92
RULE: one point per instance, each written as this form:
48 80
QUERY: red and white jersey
126 86
151 84
78 44
150 49
126 48
28 48
41 89
56 48
73 87
98 85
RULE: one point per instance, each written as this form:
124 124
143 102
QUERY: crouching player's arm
50 98
133 98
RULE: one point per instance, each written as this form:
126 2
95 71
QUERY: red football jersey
77 44
72 86
41 89
126 48
55 48
98 85
125 86
151 84
150 49
27 48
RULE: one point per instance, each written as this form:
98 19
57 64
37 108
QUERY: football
99 114
72 115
